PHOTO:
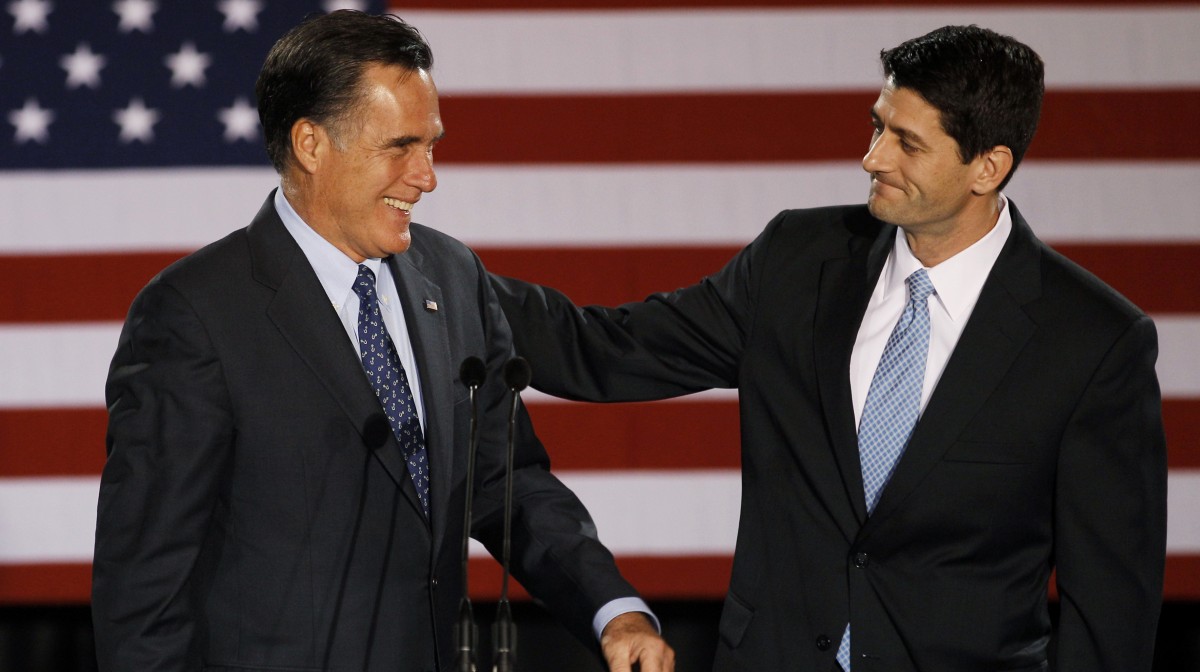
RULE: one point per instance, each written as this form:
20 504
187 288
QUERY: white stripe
573 205
656 513
37 359
1178 360
59 365
1183 511
116 210
47 519
786 49
533 397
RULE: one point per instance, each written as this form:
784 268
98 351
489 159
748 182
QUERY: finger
617 657
653 655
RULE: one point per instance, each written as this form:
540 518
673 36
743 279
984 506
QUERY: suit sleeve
169 438
556 552
668 345
1110 514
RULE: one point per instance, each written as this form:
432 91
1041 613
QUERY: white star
136 122
83 67
240 14
241 121
136 15
30 15
32 122
187 66
334 5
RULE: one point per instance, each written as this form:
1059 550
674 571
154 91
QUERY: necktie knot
919 285
364 284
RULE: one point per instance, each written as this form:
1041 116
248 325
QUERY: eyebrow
406 140
905 134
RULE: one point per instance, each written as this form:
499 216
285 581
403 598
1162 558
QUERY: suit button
433 582
823 643
860 560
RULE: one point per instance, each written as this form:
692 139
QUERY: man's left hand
630 639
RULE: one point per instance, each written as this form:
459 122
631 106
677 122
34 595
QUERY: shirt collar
957 280
334 269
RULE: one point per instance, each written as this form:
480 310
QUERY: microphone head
517 374
375 431
472 372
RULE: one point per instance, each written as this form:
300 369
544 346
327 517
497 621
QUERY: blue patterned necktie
382 364
893 403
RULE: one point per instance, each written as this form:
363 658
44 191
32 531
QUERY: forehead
397 92
905 108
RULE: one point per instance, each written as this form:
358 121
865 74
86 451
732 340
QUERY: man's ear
992 167
309 142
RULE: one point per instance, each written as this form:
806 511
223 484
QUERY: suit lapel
319 337
845 289
993 337
424 313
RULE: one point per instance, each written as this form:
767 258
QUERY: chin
401 244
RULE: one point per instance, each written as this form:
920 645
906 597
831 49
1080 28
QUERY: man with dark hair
937 410
287 442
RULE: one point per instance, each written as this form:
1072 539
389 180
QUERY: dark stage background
59 639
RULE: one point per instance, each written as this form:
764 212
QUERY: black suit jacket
1041 448
255 511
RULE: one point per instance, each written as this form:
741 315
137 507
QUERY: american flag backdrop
609 148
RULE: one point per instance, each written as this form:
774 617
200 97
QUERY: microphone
517 375
466 633
375 431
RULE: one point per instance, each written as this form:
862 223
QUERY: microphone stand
517 375
466 633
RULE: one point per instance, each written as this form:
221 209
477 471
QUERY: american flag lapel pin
431 305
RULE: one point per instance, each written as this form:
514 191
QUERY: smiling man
287 440
937 410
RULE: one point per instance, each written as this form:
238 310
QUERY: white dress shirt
957 281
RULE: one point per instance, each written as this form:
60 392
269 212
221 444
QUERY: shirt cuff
622 605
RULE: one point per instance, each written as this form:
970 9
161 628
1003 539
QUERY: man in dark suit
287 438
937 410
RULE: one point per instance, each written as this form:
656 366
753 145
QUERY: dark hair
314 71
988 87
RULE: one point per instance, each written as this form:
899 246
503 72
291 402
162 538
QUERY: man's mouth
398 204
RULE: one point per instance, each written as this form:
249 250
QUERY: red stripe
49 583
580 437
657 578
1181 420
99 287
52 442
1159 277
1091 125
403 7
671 435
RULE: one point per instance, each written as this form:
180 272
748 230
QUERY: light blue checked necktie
893 403
382 364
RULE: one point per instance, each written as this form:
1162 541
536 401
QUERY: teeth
399 205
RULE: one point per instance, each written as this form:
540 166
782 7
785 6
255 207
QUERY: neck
935 244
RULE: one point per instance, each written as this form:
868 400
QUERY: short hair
315 69
988 87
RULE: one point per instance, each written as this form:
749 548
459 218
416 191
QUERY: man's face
378 163
918 179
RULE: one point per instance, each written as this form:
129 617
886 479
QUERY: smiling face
918 179
356 183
